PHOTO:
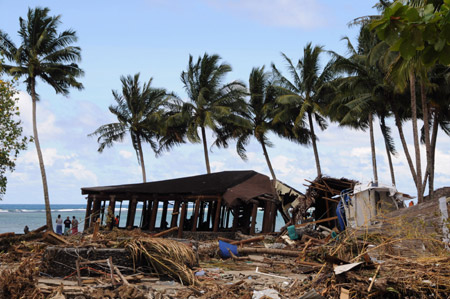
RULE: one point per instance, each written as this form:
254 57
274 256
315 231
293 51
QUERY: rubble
395 257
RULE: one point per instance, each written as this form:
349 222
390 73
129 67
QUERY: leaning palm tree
139 111
303 96
211 103
46 54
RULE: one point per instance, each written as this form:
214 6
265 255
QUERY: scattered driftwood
247 250
246 241
166 232
7 235
55 239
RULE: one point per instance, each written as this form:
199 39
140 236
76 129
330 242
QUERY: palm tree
211 103
139 111
46 54
303 97
363 94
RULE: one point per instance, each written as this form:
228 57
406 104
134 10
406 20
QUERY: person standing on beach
59 223
74 226
67 224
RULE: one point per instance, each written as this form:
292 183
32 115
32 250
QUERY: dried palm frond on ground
20 283
167 257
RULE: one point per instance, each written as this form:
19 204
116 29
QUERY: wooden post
235 219
196 210
175 212
266 217
95 209
254 213
88 212
208 216
131 212
148 213
164 223
217 217
102 210
144 214
77 265
154 213
227 222
183 215
222 217
110 218
201 215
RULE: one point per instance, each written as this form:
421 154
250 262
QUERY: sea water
14 217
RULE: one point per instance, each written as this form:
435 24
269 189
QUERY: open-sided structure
222 201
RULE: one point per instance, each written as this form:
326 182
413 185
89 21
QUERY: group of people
67 223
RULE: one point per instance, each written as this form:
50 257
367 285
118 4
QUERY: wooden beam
154 213
111 207
88 212
131 212
196 211
95 209
254 213
330 199
183 215
164 224
217 217
315 222
163 233
175 212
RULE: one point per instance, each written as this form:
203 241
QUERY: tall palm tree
46 54
212 104
303 97
363 94
139 111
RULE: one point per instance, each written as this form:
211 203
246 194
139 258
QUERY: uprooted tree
11 139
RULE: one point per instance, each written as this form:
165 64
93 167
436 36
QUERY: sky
155 38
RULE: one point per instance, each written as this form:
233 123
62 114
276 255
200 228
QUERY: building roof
232 185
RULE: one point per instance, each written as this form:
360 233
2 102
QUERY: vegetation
139 111
401 56
11 139
46 54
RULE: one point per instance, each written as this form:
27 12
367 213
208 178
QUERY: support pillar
111 208
154 213
175 212
254 214
183 215
88 212
131 212
164 223
196 210
217 217
95 209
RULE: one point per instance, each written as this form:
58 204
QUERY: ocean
14 217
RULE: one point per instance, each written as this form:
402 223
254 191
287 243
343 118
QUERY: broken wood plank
96 229
125 281
241 242
53 238
269 251
167 231
39 229
317 221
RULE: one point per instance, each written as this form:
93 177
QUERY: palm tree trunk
205 149
313 140
430 168
141 158
399 126
412 87
48 213
266 155
388 152
372 149
426 125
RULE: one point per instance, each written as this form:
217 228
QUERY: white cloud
50 156
280 13
126 154
360 152
44 117
79 171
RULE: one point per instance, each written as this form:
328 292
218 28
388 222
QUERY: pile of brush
166 257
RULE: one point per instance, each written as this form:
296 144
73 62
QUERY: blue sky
155 38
